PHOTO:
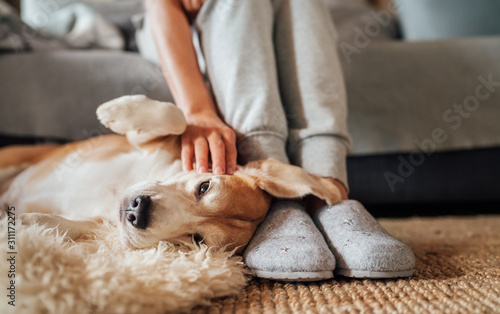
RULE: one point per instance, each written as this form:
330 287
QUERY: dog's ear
287 181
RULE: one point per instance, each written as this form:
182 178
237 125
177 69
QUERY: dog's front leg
73 229
141 119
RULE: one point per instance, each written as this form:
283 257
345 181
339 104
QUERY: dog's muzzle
137 212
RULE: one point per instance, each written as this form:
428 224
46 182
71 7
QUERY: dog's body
136 182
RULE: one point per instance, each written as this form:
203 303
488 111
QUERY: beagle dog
134 179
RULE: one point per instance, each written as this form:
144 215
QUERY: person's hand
191 7
207 133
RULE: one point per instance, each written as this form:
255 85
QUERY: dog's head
218 210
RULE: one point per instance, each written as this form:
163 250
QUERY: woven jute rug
457 271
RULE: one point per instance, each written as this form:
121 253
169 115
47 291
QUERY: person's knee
262 146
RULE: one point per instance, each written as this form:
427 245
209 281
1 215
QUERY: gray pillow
38 13
118 12
16 36
439 19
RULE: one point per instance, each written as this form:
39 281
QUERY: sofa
423 112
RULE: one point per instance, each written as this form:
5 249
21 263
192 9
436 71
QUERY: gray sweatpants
276 79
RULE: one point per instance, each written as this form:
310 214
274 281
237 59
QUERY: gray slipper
288 246
362 248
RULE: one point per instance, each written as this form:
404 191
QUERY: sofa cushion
432 96
55 94
356 18
438 19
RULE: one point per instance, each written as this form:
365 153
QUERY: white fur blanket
99 275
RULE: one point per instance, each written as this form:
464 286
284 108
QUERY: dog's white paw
137 114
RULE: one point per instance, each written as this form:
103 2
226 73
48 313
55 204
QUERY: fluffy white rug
99 275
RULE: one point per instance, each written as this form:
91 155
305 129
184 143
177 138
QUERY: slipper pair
290 245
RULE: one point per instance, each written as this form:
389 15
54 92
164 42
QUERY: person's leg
313 92
312 87
237 44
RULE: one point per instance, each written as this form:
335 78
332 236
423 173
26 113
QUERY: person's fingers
185 4
217 152
188 5
187 152
229 139
192 6
201 154
195 6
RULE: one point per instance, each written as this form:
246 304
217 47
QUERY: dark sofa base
445 177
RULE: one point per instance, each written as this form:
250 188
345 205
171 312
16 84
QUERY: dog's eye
197 238
203 188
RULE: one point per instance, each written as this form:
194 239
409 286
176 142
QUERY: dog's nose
138 211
